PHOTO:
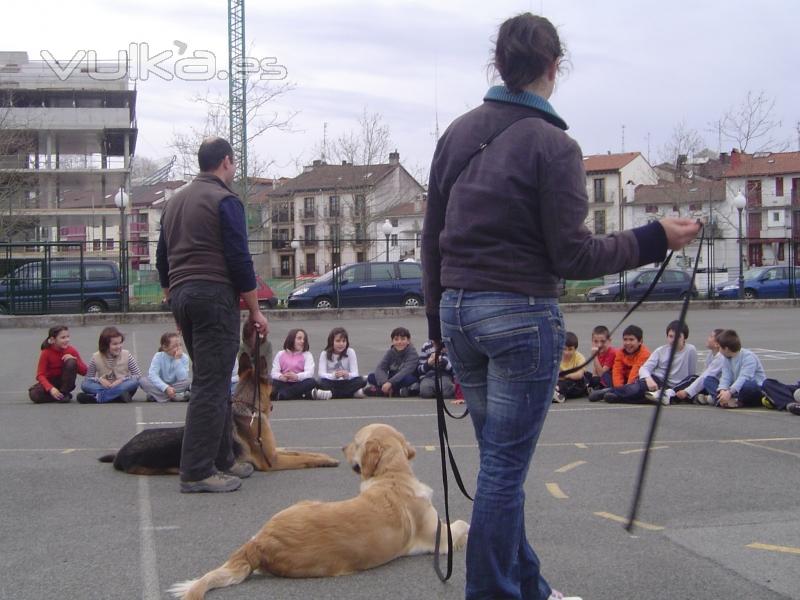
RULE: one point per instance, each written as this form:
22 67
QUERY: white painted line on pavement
636 450
618 519
556 491
147 546
778 450
68 451
570 466
770 547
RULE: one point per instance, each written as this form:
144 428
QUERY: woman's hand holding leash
680 231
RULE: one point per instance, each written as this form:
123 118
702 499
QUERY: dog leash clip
252 418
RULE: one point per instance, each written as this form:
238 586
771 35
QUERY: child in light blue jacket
168 378
742 373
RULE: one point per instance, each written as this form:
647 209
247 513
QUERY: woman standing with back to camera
502 226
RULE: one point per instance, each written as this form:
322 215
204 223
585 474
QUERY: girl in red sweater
59 365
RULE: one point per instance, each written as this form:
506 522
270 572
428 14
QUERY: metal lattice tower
237 93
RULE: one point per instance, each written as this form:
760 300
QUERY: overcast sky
645 65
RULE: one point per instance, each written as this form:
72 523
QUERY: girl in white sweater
338 367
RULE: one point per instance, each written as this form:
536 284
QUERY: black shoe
125 397
611 397
794 408
65 399
597 395
84 398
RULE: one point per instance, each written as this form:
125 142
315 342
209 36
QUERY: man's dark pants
208 315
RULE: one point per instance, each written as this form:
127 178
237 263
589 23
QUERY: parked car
363 284
673 285
59 286
266 297
760 282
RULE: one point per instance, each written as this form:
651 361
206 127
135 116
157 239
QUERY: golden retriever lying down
392 516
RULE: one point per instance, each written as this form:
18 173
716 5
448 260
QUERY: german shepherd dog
158 451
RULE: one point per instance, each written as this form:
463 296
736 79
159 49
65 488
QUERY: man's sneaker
556 595
701 398
796 395
359 393
218 482
403 392
668 396
597 395
84 398
187 395
651 396
766 402
318 394
242 470
794 408
611 397
558 397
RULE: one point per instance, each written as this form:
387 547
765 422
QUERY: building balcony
307 216
309 243
283 217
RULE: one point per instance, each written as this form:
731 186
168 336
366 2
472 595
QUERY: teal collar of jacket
500 93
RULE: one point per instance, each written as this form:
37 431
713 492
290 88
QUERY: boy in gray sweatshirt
395 372
654 371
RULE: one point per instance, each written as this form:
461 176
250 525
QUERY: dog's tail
235 570
108 457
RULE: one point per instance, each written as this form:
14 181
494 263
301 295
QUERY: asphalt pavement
718 519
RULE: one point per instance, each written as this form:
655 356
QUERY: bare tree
142 166
752 126
16 149
368 144
683 141
260 119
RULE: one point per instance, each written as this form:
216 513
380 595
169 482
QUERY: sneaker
558 397
372 390
403 392
150 398
187 395
796 395
359 393
668 397
84 398
318 394
611 397
180 397
766 402
242 470
794 407
556 595
65 399
701 398
218 482
597 395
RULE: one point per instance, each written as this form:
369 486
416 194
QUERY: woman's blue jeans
505 349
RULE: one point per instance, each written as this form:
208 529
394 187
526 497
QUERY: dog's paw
179 590
460 530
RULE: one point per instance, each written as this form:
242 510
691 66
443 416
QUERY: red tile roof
334 177
597 163
763 163
683 192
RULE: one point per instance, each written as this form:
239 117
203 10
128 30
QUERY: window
409 270
308 208
311 263
361 204
673 277
382 271
109 243
779 186
335 234
781 256
418 239
360 231
599 190
651 208
99 272
310 233
599 222
333 206
96 245
394 222
646 278
355 274
61 272
695 207
393 240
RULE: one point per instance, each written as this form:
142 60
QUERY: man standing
204 265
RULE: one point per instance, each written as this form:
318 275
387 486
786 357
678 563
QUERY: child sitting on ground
654 371
168 378
426 371
338 367
598 375
703 390
113 374
293 370
59 366
395 372
627 361
742 373
571 385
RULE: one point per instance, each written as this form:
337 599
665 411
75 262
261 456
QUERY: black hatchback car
673 285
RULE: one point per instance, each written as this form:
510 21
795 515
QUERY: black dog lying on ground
158 451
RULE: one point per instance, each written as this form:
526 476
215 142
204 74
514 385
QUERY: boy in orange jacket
629 358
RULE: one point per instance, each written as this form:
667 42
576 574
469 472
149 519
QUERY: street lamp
739 202
386 228
121 201
295 245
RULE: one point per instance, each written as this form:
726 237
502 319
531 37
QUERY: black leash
637 495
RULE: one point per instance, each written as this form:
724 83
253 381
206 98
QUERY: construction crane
237 94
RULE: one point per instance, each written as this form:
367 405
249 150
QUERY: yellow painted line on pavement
747 443
556 491
771 548
570 466
581 446
430 448
618 519
68 451
635 450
